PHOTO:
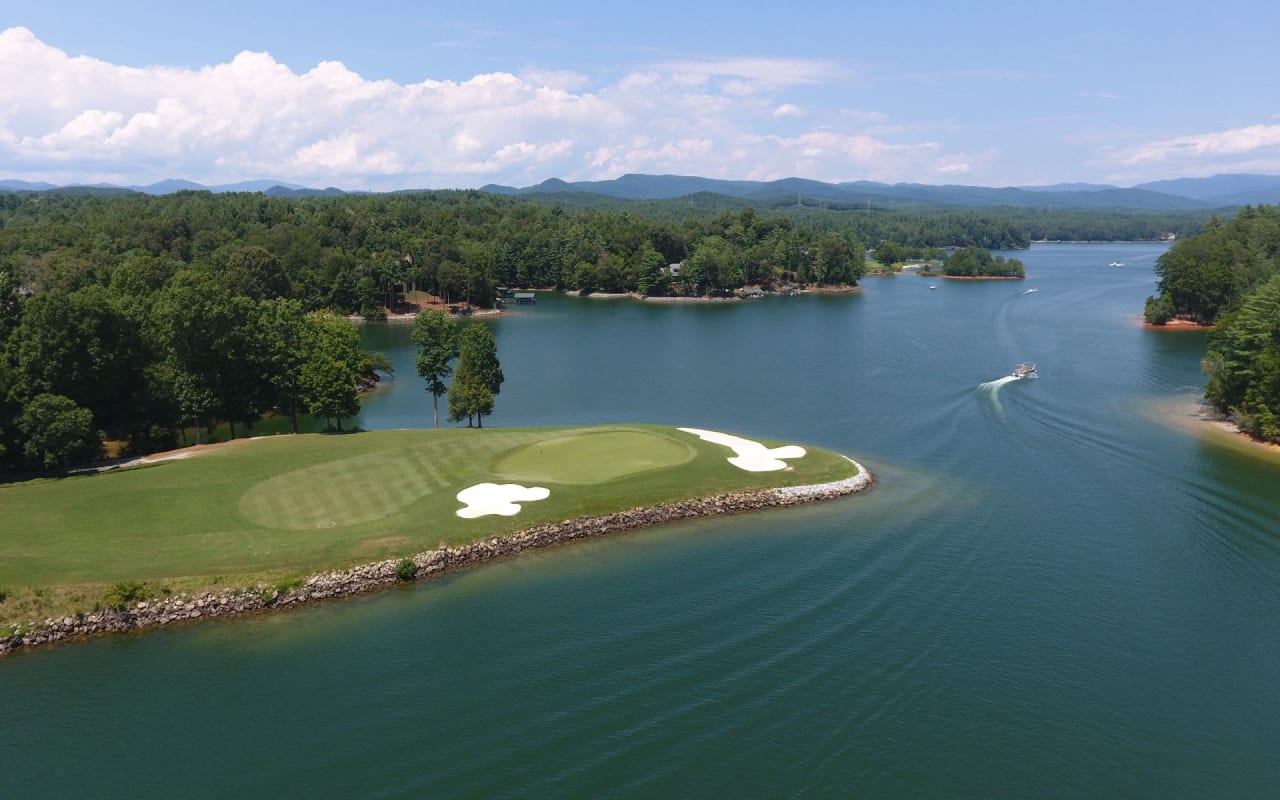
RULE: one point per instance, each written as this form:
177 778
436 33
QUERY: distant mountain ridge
1181 194
168 186
1184 194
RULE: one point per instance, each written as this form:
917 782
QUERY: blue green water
1050 593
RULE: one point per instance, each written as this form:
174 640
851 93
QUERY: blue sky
431 95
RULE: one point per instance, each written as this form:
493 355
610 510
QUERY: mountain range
170 186
1181 194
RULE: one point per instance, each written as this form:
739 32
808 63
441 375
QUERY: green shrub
288 585
406 570
124 593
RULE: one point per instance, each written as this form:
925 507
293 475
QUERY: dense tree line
357 253
137 364
354 253
1092 225
920 225
1230 276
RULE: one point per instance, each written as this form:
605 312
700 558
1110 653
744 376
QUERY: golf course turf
280 508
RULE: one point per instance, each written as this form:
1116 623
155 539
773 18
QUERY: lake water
1050 593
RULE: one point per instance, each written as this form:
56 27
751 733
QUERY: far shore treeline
1229 277
135 316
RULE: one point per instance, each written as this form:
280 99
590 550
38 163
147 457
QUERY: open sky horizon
399 95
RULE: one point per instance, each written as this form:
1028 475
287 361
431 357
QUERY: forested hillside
1230 276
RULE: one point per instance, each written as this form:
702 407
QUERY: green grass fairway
594 457
287 506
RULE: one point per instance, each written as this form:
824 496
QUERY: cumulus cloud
76 118
1234 142
1253 148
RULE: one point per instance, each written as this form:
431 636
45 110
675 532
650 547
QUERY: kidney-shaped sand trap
750 456
497 498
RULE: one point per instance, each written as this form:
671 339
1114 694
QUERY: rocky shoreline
381 574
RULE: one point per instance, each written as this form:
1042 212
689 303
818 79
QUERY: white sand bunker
497 498
751 456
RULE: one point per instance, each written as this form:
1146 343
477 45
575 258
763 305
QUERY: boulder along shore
382 574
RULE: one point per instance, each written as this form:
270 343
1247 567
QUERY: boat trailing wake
992 389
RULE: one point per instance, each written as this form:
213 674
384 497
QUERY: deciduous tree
478 378
330 368
57 433
437 339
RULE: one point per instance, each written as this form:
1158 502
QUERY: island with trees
976 262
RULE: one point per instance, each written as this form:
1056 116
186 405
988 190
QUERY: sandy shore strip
1174 325
413 315
1191 414
177 609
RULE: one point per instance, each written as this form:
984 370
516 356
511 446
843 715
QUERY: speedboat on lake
1024 370
1117 263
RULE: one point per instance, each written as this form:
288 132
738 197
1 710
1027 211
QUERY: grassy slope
294 505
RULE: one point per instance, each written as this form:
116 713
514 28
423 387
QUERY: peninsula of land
295 519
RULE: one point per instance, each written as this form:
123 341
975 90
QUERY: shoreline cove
366 578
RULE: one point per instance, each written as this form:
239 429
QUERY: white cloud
956 164
1254 148
1234 142
755 74
556 79
65 118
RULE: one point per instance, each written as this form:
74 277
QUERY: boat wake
992 389
994 386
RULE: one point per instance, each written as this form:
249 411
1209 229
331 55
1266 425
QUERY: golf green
593 457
